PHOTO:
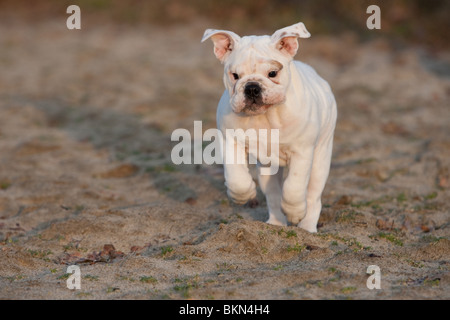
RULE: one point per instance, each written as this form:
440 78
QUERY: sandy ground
86 175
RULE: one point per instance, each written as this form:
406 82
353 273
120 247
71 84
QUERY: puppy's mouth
253 103
255 107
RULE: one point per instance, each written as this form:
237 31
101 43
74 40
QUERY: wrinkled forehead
252 53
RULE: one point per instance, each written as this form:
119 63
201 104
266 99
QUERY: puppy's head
256 67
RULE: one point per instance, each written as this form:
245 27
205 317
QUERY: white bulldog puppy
267 89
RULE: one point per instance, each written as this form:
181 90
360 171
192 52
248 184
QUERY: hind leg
319 175
271 187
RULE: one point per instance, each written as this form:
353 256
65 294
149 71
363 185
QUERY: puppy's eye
272 74
235 76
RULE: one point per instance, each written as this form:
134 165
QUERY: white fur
298 102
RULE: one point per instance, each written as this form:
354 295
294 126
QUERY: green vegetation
431 196
430 238
90 277
16 277
390 237
127 278
185 286
401 197
347 290
348 215
40 254
278 268
83 294
4 184
148 279
415 264
297 248
432 282
65 276
374 204
290 233
166 250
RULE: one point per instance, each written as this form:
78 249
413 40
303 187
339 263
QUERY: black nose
252 90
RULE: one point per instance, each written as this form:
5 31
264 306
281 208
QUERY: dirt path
85 124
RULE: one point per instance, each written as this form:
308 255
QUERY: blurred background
414 21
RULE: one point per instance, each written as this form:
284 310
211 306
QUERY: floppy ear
224 42
285 39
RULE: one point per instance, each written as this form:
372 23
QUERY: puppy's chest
276 125
268 148
273 138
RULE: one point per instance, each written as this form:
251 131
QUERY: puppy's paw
277 222
307 226
241 199
294 213
242 196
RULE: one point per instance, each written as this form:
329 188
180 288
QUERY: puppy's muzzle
252 91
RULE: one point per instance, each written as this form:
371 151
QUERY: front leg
271 187
240 185
295 185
